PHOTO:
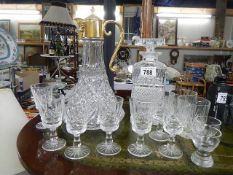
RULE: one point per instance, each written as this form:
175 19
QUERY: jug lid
93 16
93 26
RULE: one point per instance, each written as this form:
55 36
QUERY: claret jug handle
114 56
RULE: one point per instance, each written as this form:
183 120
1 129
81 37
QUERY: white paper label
148 71
222 98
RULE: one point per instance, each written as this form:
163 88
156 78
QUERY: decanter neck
149 56
92 52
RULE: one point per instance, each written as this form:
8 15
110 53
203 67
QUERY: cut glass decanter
149 74
93 88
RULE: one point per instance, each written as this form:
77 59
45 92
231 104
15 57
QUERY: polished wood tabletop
39 162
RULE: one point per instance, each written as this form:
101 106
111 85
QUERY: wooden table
39 162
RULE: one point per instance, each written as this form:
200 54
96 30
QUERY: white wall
192 29
228 35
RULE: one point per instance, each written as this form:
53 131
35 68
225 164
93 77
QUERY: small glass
49 107
141 122
109 124
52 120
173 127
159 135
186 106
205 140
186 111
76 124
38 93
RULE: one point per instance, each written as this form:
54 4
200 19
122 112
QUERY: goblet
173 127
76 124
110 123
205 140
51 114
141 122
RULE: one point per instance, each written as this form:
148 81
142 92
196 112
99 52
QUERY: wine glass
159 135
186 105
141 121
39 91
202 107
186 108
205 138
76 124
172 126
52 120
51 114
110 123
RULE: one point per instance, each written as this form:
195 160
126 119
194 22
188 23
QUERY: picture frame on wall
29 32
167 28
5 24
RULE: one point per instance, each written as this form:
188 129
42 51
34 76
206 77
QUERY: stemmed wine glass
159 135
41 92
141 121
205 138
110 123
76 124
51 114
173 127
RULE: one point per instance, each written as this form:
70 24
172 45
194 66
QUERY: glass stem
140 140
172 140
159 128
202 153
77 141
108 138
171 143
53 133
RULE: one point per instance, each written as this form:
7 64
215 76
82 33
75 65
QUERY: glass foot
205 161
170 151
54 144
108 149
139 150
40 126
159 136
75 152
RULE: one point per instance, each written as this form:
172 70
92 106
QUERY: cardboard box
25 78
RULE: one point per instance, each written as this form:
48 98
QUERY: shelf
56 56
196 48
32 43
181 47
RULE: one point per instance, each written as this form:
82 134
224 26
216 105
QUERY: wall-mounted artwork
29 32
167 28
5 25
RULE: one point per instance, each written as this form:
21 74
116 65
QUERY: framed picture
29 32
167 28
5 24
